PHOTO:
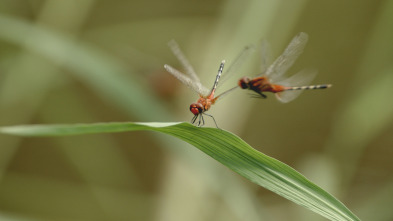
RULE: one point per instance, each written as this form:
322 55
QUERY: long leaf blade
224 147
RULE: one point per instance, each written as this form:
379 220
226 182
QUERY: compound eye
196 108
244 82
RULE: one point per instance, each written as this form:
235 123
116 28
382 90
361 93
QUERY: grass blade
224 147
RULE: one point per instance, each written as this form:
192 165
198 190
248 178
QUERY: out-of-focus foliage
95 61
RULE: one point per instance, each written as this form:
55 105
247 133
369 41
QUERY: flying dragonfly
206 97
274 78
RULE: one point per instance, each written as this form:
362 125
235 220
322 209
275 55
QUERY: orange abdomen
277 88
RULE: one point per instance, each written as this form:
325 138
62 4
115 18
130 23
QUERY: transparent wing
194 85
183 60
302 78
287 96
223 94
266 55
236 64
288 57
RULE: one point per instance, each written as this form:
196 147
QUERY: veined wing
302 78
183 60
236 64
194 85
266 56
280 66
223 94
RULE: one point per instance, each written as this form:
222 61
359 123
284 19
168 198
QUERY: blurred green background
91 61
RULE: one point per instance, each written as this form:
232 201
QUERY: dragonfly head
196 108
244 82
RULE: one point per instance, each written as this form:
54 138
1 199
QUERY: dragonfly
274 78
206 97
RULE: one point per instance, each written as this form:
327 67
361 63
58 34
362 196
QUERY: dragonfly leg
260 93
201 120
213 119
194 119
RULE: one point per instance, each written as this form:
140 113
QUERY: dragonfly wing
266 55
287 96
223 94
194 85
288 57
302 78
239 60
183 60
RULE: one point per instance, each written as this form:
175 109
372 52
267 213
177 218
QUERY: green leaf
226 148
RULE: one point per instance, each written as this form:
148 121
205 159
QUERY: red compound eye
196 108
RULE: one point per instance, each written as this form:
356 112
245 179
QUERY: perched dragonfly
274 78
206 97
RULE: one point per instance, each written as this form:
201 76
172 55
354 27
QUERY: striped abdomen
311 87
